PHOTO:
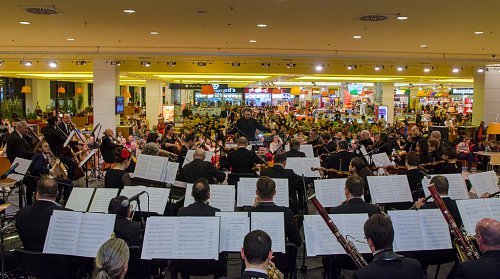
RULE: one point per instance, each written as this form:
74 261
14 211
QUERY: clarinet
348 246
465 248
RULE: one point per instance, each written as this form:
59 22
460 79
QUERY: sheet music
221 197
142 166
320 240
79 199
157 196
87 158
23 167
102 197
330 192
273 224
234 226
69 138
484 182
416 230
302 166
156 168
247 187
172 168
389 189
365 154
457 190
474 210
76 233
307 149
181 238
189 157
381 160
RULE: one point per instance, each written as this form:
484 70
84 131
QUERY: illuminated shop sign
462 91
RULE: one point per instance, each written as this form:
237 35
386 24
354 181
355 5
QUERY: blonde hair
111 258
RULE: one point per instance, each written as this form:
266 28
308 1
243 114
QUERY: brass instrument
348 246
465 248
273 272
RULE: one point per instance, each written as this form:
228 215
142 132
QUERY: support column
153 101
40 92
85 87
106 88
478 99
491 101
168 95
388 100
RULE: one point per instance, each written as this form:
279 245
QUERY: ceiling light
402 18
349 67
146 64
26 63
70 39
171 63
129 11
235 64
24 22
377 68
81 63
265 65
52 64
480 70
400 68
1 62
291 65
319 68
478 33
455 70
202 64
154 33
423 46
262 25
356 37
427 69
116 63
252 41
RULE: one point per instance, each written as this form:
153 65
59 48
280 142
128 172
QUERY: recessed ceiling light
478 33
252 41
262 25
455 70
129 11
27 63
349 67
291 65
171 63
426 69
24 22
319 68
480 70
400 68
378 68
154 33
423 46
52 64
402 18
356 37
70 39
146 64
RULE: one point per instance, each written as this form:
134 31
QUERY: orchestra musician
386 264
423 152
17 146
247 126
54 136
358 167
242 160
128 230
168 141
414 175
451 165
411 142
257 253
65 125
199 168
118 177
188 144
108 146
294 151
329 146
366 140
340 160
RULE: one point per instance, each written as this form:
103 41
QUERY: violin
332 172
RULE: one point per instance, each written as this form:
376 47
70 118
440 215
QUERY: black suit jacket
415 177
294 180
486 267
39 165
388 265
201 169
107 147
18 147
253 275
291 228
295 154
55 138
334 160
355 205
242 160
247 128
129 231
198 208
64 128
452 207
32 223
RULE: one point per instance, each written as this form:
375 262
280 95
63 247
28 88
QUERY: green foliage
10 107
80 101
65 105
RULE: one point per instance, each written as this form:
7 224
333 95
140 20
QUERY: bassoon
348 246
465 248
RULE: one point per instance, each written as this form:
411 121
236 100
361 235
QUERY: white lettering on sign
462 91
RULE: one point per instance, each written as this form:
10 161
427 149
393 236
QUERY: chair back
41 266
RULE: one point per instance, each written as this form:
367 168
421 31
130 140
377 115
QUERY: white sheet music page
234 226
295 164
156 168
434 229
273 224
311 163
172 168
246 191
474 210
101 199
142 166
494 207
365 154
188 198
87 158
198 238
222 197
23 167
381 160
157 196
307 149
160 237
402 190
79 199
281 198
95 229
484 182
189 156
457 190
62 233
330 192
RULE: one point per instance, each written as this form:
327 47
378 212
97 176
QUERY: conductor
247 125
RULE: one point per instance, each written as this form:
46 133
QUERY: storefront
461 98
233 96
265 96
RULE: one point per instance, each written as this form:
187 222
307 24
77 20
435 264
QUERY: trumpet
274 272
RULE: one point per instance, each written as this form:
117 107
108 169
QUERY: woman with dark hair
168 141
451 165
423 152
358 167
118 177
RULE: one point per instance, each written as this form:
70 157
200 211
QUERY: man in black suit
295 183
488 265
32 221
329 146
266 189
201 195
65 125
294 150
366 140
188 144
340 160
386 264
242 160
17 146
247 125
199 168
108 146
414 175
257 253
354 187
129 231
54 136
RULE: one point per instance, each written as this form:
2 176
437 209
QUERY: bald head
436 135
488 234
67 118
242 142
199 154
